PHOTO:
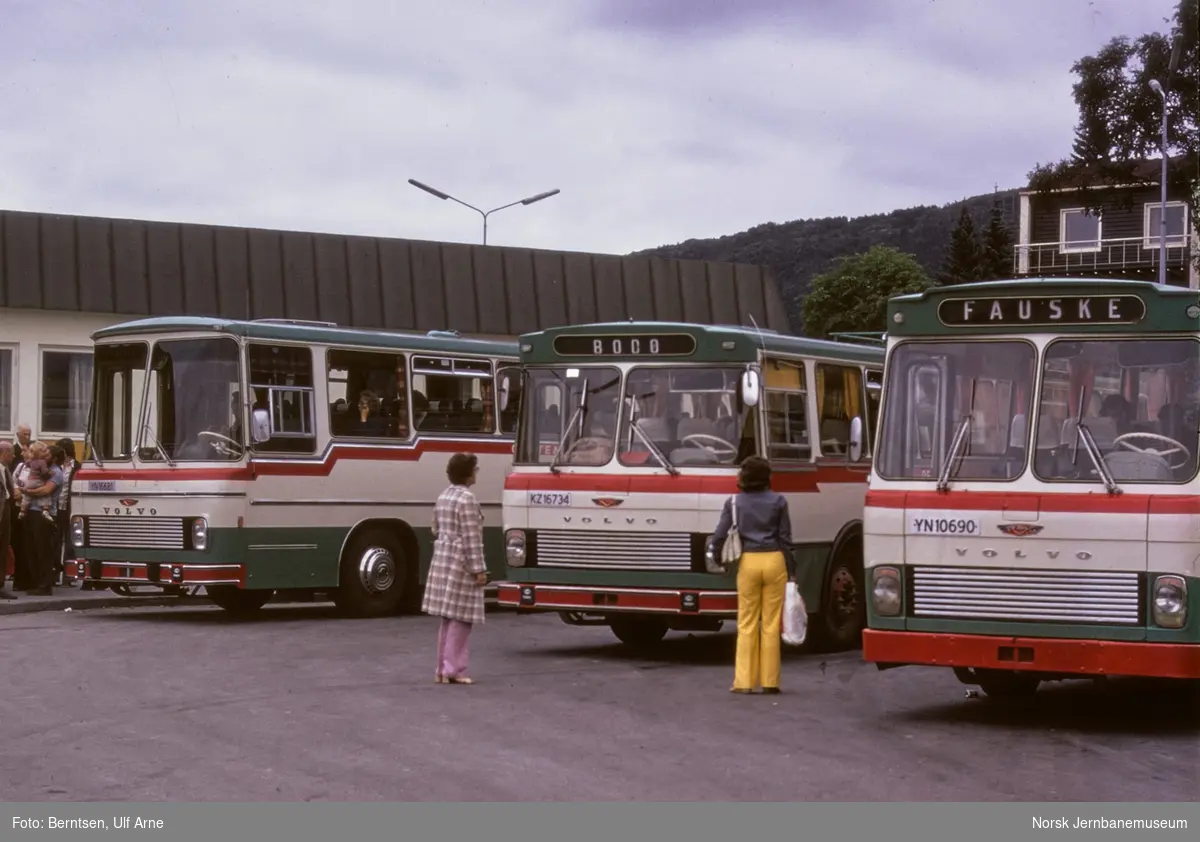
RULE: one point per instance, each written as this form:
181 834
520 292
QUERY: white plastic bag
795 616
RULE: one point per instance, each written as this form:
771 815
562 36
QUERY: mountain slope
800 250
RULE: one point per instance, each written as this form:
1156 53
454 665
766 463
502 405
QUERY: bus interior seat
1104 431
1130 466
1018 432
696 427
835 435
656 429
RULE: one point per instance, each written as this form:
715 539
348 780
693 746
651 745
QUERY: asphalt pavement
185 704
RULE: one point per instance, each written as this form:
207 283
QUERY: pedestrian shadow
676 649
1133 707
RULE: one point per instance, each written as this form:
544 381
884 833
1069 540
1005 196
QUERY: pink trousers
454 648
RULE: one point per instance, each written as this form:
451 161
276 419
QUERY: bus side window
874 391
786 412
371 383
508 415
839 400
451 395
281 380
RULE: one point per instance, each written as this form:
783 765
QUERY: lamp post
1162 213
485 214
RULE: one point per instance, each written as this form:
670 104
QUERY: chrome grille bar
586 550
1052 595
152 533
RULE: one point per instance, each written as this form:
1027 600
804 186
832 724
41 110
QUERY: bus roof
708 343
1045 305
286 330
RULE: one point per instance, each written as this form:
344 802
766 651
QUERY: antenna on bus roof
761 339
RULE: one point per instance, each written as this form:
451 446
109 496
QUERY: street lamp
1162 213
1159 89
485 214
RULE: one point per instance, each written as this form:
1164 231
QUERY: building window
1079 230
367 394
66 392
1176 224
6 389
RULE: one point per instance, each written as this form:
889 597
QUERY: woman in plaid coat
457 573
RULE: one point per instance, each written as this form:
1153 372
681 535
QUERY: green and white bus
251 457
628 444
1034 498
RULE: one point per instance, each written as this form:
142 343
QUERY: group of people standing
35 493
458 574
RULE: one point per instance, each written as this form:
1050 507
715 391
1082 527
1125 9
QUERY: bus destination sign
1042 310
626 345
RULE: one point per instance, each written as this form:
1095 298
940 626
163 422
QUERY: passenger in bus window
369 421
457 573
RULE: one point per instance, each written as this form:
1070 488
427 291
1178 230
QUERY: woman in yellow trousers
764 569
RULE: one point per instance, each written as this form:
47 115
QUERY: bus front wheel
639 631
843 614
236 601
373 576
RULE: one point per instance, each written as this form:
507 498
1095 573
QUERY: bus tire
373 576
1007 685
843 614
237 601
639 632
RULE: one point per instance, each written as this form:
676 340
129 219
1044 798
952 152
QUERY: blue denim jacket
764 524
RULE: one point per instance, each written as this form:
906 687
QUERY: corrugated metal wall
57 262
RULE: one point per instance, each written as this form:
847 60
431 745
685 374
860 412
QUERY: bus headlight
886 596
76 531
1170 602
514 548
200 534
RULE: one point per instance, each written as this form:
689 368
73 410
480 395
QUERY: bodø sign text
1048 310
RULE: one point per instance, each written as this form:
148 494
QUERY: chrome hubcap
376 570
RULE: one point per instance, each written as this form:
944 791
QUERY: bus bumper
104 572
531 597
1033 654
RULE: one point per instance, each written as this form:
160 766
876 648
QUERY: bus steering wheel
1178 448
219 445
724 448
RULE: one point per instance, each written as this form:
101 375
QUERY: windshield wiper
646 440
960 436
158 445
576 417
87 438
1082 433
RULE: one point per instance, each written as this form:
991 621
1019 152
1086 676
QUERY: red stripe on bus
300 469
783 481
1032 501
1033 654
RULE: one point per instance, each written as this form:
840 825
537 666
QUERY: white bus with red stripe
629 439
1033 505
257 457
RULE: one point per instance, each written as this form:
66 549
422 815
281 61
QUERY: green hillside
798 251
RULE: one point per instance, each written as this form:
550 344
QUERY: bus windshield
569 416
193 406
1140 401
939 390
687 416
119 375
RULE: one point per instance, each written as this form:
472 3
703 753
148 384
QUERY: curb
84 603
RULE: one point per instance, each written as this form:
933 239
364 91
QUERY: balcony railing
1112 255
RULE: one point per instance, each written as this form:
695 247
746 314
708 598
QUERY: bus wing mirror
505 392
750 387
856 438
260 426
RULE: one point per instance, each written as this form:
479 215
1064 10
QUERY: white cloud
313 116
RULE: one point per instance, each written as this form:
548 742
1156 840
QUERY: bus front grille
122 532
1058 596
587 550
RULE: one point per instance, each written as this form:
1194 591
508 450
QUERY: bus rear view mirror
505 392
260 426
856 438
750 387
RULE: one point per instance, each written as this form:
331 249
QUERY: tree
996 255
853 296
964 256
1120 116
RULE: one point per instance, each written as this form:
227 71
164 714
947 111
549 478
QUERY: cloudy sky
659 120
